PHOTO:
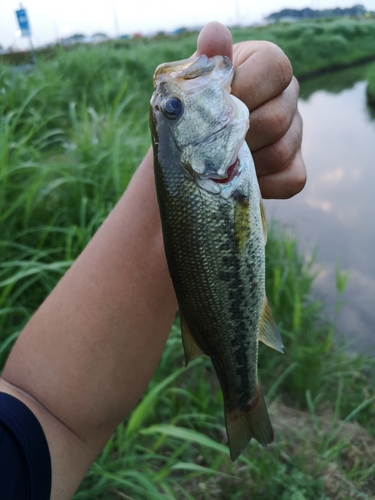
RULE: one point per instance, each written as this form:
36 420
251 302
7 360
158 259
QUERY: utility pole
115 20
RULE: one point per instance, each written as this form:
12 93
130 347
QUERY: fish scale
214 233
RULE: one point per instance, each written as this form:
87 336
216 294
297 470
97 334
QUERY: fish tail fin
252 423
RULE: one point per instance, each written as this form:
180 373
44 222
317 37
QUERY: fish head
192 105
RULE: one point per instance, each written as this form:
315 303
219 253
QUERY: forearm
90 350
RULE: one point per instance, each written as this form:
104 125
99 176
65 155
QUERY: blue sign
23 22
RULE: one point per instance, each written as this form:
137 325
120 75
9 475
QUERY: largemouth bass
214 233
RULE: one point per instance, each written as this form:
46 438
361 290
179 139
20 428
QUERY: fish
214 233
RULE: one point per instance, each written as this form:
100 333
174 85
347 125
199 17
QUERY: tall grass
71 134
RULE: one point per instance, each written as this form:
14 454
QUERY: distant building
77 38
179 31
99 37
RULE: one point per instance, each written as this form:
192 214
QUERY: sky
51 20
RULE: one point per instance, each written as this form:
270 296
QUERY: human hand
264 81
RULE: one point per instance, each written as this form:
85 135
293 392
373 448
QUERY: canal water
335 213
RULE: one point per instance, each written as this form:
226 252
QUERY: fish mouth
188 72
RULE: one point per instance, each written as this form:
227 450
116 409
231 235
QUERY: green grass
72 133
313 46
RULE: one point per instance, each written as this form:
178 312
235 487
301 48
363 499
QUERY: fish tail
254 422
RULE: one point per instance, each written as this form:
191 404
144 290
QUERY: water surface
336 210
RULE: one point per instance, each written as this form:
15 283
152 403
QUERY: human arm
85 358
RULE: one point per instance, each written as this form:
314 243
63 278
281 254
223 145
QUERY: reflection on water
336 210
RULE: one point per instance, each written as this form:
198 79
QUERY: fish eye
172 108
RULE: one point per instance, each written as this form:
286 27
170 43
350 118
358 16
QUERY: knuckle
280 122
281 153
281 63
298 178
272 122
300 181
296 85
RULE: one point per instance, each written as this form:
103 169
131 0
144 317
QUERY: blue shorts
25 462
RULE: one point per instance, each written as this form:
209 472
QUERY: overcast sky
58 18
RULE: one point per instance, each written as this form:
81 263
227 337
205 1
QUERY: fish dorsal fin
191 348
268 332
264 221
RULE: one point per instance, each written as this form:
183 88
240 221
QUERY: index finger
262 71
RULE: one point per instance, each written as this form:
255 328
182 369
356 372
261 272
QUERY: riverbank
370 91
71 135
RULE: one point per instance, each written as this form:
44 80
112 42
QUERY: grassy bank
317 46
370 91
71 134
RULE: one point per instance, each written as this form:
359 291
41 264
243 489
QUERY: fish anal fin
268 332
264 220
242 426
191 348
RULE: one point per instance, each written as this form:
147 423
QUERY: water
336 210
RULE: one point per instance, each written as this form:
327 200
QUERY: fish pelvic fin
243 425
268 332
191 348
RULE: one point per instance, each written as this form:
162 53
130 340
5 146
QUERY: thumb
215 40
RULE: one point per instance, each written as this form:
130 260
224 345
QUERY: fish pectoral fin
268 332
191 348
252 423
264 220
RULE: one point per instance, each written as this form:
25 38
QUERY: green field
72 133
